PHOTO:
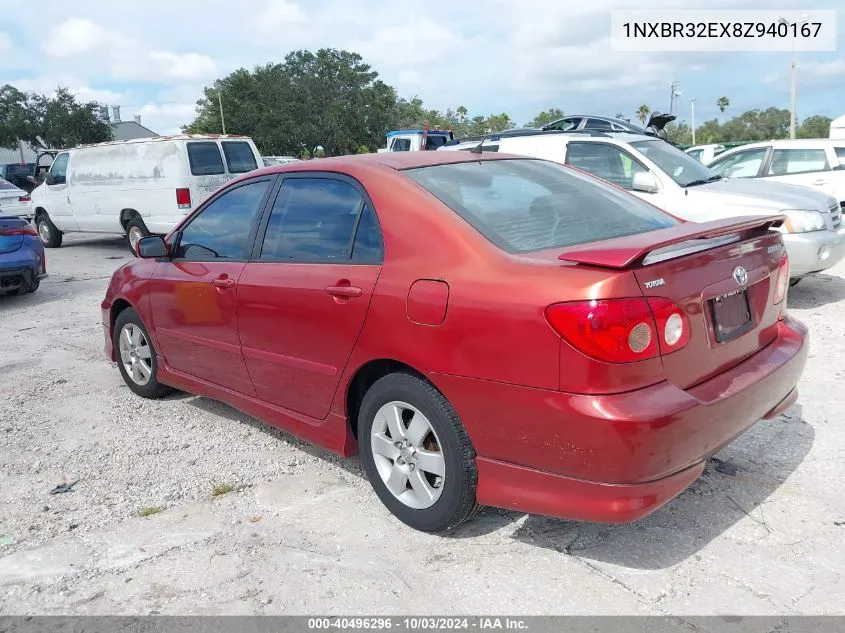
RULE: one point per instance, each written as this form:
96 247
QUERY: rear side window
314 220
205 159
798 161
239 157
525 205
598 124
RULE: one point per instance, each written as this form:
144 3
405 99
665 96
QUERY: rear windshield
239 157
205 159
525 205
5 184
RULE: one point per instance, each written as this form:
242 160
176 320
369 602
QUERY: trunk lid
721 274
10 243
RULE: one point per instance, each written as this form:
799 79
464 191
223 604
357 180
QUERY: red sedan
486 329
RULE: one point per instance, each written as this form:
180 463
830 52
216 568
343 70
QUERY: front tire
417 454
136 356
50 236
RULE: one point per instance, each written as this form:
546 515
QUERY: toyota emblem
740 275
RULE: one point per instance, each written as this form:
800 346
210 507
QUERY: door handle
344 291
224 282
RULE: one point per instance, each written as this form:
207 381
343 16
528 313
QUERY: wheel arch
118 305
127 215
364 377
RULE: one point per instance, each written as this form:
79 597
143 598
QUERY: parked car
22 261
578 122
705 153
677 183
137 187
269 161
460 320
416 140
811 163
14 200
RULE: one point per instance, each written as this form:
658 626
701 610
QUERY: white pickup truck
416 140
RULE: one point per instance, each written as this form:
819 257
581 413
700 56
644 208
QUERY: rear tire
135 230
50 236
136 356
394 412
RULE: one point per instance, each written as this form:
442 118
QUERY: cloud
127 59
279 14
5 42
413 44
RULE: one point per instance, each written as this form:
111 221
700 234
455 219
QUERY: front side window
401 145
239 157
524 205
797 161
205 159
605 161
744 164
696 154
222 229
681 167
315 220
59 169
566 125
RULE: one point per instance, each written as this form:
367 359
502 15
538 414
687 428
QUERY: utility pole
802 20
674 88
220 103
692 112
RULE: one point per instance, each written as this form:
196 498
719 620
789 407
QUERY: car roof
616 138
813 143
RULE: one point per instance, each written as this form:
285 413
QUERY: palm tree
642 113
722 103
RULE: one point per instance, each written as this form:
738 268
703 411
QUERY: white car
705 153
662 174
138 187
14 200
811 163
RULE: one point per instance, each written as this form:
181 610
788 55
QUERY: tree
678 133
722 103
545 117
642 113
817 126
60 121
330 98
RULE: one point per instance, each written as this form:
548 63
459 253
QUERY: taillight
25 199
611 330
20 230
672 324
183 198
782 283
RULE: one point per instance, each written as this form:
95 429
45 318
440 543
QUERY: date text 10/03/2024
419 623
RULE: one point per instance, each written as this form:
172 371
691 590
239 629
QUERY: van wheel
135 230
50 236
417 454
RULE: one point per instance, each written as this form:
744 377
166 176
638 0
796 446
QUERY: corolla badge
740 275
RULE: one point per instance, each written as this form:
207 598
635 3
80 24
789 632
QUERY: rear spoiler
623 252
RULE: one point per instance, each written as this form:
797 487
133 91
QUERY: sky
517 56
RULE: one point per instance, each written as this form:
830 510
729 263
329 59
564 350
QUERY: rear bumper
815 251
619 457
13 278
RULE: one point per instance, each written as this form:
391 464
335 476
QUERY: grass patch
146 512
221 489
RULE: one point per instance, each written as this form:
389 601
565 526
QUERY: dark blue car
22 262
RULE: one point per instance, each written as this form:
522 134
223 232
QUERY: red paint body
556 432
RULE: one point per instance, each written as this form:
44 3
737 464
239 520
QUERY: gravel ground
301 531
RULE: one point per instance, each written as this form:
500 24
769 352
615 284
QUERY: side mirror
50 179
152 247
646 182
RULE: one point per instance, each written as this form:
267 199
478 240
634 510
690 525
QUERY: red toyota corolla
487 329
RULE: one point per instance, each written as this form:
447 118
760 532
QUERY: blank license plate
731 315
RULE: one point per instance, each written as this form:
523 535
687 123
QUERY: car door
808 167
58 194
193 295
303 298
746 163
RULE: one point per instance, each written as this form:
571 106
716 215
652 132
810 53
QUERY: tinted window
744 164
5 184
797 161
605 161
239 157
528 205
313 219
680 167
367 247
222 229
59 168
435 141
205 159
598 124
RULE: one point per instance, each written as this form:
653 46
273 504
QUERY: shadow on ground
816 291
736 483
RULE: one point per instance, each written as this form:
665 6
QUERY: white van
138 187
